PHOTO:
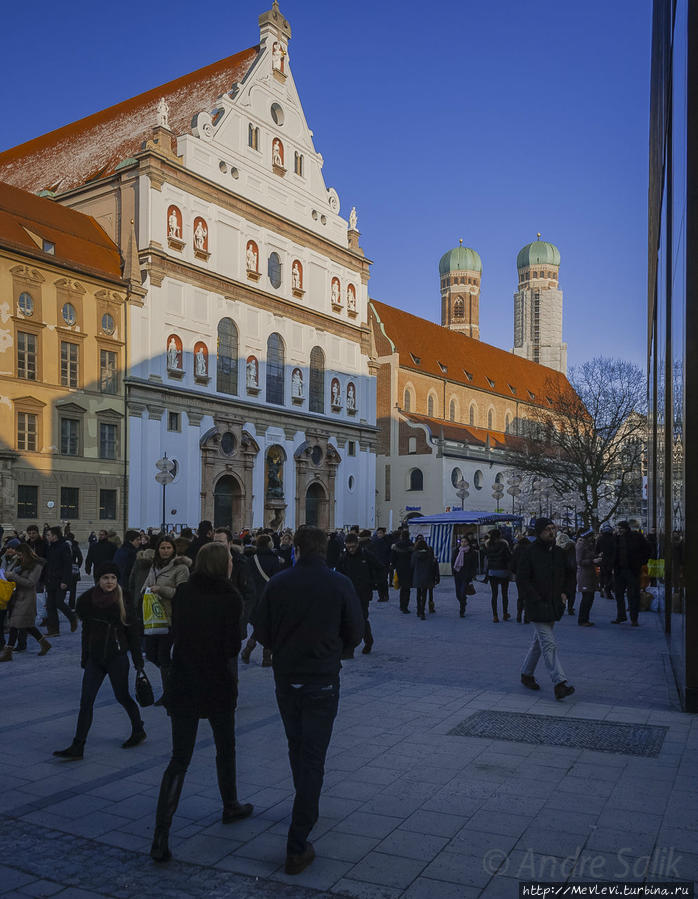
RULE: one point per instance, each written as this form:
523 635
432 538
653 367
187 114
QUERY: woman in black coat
109 630
463 567
264 563
203 683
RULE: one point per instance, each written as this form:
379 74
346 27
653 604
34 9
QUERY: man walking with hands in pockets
308 616
540 576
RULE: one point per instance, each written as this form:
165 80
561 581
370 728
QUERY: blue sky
482 121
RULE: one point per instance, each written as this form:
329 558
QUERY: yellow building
62 354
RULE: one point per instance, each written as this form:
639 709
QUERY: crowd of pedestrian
305 598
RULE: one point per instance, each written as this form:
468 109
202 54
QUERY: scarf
102 600
460 559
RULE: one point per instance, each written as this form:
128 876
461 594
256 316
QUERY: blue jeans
543 643
308 712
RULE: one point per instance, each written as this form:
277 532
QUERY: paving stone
457 867
388 870
360 890
344 846
366 824
412 845
426 888
436 823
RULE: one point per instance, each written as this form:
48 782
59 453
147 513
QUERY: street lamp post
164 477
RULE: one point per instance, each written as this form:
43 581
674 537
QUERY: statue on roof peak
163 114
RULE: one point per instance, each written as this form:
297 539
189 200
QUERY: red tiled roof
436 347
451 430
94 146
77 238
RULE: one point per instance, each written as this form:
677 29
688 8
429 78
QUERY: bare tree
586 444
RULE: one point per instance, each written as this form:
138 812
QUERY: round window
26 304
456 476
228 443
277 114
316 455
69 314
108 325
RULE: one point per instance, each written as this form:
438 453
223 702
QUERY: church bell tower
460 272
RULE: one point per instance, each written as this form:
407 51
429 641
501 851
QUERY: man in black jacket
308 616
401 562
540 577
125 556
632 552
204 535
57 575
380 547
363 570
103 550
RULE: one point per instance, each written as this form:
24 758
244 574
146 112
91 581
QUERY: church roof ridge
72 154
469 361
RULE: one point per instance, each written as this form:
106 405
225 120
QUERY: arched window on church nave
416 479
253 137
407 402
452 410
317 380
458 307
507 423
472 415
490 419
275 369
227 357
430 406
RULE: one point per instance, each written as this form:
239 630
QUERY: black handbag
144 692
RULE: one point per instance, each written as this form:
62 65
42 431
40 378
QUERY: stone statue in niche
351 298
336 400
352 219
200 235
174 358
276 155
277 56
163 115
335 292
351 397
173 229
252 372
201 362
251 258
297 383
275 484
296 275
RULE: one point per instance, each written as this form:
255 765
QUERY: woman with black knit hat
109 630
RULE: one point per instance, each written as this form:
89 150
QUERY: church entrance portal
227 504
316 506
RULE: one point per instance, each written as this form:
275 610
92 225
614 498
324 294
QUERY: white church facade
248 339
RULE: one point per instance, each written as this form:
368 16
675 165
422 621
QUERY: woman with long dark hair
203 684
498 573
167 572
109 630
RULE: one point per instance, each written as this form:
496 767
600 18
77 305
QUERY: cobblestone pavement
408 809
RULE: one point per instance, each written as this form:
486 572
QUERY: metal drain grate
579 733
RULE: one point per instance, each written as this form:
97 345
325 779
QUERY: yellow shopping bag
155 618
7 588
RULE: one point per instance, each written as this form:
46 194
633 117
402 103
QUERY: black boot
168 800
227 786
368 639
462 608
137 736
421 603
165 675
73 752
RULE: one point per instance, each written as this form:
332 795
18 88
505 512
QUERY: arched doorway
227 503
316 507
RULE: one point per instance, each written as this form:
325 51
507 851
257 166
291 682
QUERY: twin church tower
537 302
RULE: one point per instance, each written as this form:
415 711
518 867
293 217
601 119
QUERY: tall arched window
317 380
275 369
430 406
227 361
407 401
458 307
471 418
490 419
507 423
416 479
452 410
